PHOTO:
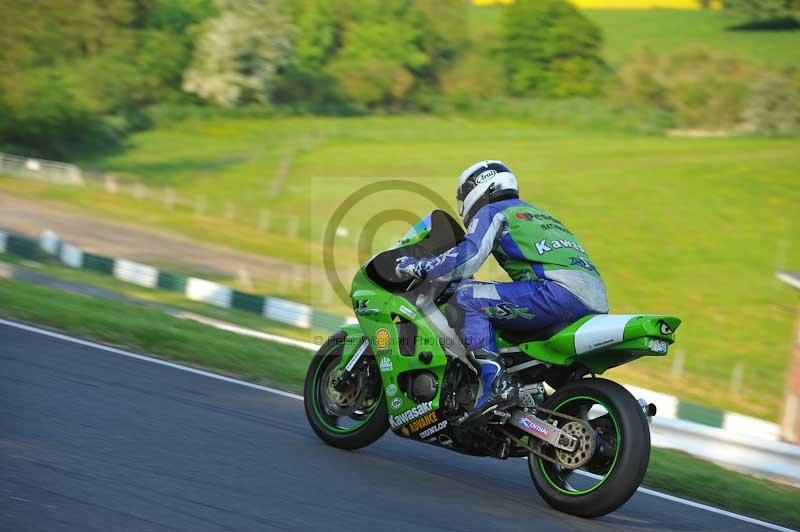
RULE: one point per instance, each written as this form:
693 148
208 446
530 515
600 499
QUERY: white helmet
483 183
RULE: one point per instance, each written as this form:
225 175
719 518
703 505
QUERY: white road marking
701 506
276 391
712 509
225 326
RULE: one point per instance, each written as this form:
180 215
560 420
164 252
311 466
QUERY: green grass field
691 227
668 29
665 30
256 361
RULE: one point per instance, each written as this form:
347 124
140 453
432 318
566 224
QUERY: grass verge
257 361
152 331
679 474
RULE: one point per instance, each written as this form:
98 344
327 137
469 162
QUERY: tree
550 49
316 35
381 53
444 31
237 55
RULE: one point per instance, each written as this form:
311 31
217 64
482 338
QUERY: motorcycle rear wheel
350 419
621 451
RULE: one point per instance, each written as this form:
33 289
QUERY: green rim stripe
319 414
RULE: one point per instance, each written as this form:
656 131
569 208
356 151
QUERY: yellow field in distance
615 4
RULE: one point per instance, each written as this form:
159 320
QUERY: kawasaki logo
410 414
546 246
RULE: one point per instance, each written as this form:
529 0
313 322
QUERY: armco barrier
193 288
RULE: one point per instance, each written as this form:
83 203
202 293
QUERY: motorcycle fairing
603 341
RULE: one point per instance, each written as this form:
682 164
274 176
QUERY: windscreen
416 233
434 234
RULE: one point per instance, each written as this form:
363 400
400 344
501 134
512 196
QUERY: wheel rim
348 410
605 452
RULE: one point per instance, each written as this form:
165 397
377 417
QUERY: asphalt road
91 440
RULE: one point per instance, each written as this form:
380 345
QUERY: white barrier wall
287 312
208 292
136 273
71 256
49 242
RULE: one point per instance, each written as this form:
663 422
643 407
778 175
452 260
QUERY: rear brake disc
584 450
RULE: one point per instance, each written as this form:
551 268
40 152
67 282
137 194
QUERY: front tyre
349 417
621 450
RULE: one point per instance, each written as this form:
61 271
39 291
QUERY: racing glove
408 268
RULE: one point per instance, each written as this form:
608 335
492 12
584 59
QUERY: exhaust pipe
648 408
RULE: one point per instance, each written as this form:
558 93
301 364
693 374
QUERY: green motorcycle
403 367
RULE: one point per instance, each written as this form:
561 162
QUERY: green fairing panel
381 317
558 349
640 337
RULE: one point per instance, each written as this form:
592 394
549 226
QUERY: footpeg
502 416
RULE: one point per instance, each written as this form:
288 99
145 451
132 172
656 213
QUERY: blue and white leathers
522 304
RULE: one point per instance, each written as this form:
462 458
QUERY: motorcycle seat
520 337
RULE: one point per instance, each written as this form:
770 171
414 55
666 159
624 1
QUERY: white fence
41 169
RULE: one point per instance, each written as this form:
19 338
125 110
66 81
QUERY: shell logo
382 338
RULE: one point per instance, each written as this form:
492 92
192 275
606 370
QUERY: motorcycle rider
553 278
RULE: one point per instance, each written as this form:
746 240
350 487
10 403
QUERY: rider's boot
499 393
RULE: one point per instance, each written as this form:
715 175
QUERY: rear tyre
350 418
620 455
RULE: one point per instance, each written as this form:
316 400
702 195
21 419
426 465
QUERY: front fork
345 378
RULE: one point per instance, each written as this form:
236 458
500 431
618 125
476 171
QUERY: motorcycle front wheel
611 459
352 416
